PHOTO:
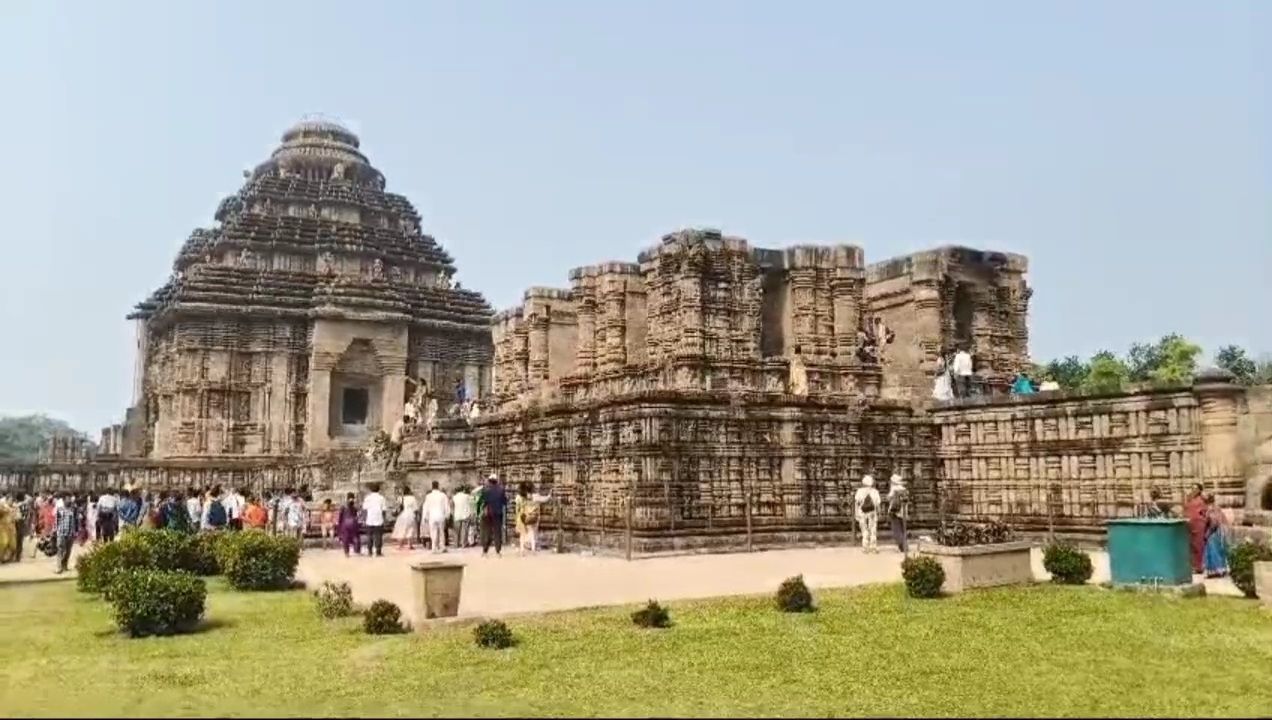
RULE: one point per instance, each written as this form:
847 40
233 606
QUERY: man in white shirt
233 503
395 443
107 515
866 503
373 509
435 511
464 511
962 367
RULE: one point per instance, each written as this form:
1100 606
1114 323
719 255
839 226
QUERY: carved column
689 309
847 291
520 356
537 346
803 309
1221 467
613 302
585 293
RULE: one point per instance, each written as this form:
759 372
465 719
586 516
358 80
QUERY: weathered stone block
1263 582
437 587
982 566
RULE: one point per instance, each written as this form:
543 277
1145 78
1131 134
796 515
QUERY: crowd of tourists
466 517
54 523
956 378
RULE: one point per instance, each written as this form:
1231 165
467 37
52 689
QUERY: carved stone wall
703 469
1072 461
939 300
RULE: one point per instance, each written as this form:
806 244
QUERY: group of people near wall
956 378
466 517
1209 529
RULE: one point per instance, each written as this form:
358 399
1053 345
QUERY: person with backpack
528 510
899 512
216 517
866 503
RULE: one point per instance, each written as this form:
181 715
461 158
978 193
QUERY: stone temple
291 326
710 394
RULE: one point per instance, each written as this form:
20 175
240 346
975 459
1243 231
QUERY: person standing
866 503
493 508
435 512
65 526
130 511
406 526
26 522
899 512
962 367
463 513
374 507
347 526
107 515
234 502
528 508
1215 552
1195 513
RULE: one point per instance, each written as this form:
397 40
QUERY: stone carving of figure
327 264
312 211
245 258
444 281
377 269
798 380
283 171
395 273
407 226
338 172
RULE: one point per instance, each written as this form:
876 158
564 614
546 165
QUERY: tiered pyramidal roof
313 233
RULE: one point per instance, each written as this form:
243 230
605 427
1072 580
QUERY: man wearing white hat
866 503
899 512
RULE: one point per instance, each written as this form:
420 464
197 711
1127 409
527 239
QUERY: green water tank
1149 550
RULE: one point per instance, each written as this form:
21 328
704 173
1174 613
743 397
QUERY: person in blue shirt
1023 385
130 511
65 526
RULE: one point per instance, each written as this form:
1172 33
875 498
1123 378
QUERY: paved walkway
547 581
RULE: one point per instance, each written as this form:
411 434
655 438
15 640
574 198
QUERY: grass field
1028 652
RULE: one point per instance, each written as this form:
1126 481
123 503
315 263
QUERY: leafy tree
1235 360
1171 360
1106 373
22 437
1070 372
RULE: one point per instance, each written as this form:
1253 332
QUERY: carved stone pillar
803 309
1220 463
537 346
585 352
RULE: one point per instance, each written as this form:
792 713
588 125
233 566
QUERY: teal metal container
1149 550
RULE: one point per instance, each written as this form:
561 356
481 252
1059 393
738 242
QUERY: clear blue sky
1123 146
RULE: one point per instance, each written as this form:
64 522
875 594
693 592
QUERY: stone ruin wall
667 382
1070 462
940 299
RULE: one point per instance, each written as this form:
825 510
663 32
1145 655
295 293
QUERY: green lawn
1028 652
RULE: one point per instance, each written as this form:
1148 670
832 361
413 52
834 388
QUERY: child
296 520
328 522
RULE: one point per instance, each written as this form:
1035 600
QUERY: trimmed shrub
205 549
97 568
383 618
793 596
652 616
335 600
965 534
1067 563
157 602
1241 559
923 576
254 560
493 635
169 550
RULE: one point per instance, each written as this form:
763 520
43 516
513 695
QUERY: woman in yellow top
8 532
527 509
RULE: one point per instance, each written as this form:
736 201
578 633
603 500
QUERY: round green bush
923 576
652 616
97 568
169 550
1067 563
793 596
383 618
205 549
157 602
254 560
1241 559
335 600
493 635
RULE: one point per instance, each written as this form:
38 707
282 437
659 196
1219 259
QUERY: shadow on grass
27 582
204 626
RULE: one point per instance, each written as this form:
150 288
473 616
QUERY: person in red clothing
1195 514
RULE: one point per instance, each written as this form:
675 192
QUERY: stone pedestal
436 588
1263 582
982 566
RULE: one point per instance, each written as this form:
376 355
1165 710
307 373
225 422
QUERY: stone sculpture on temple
377 269
338 172
327 264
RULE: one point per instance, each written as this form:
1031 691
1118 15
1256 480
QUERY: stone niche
358 382
356 389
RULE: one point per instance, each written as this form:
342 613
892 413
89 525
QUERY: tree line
1172 360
